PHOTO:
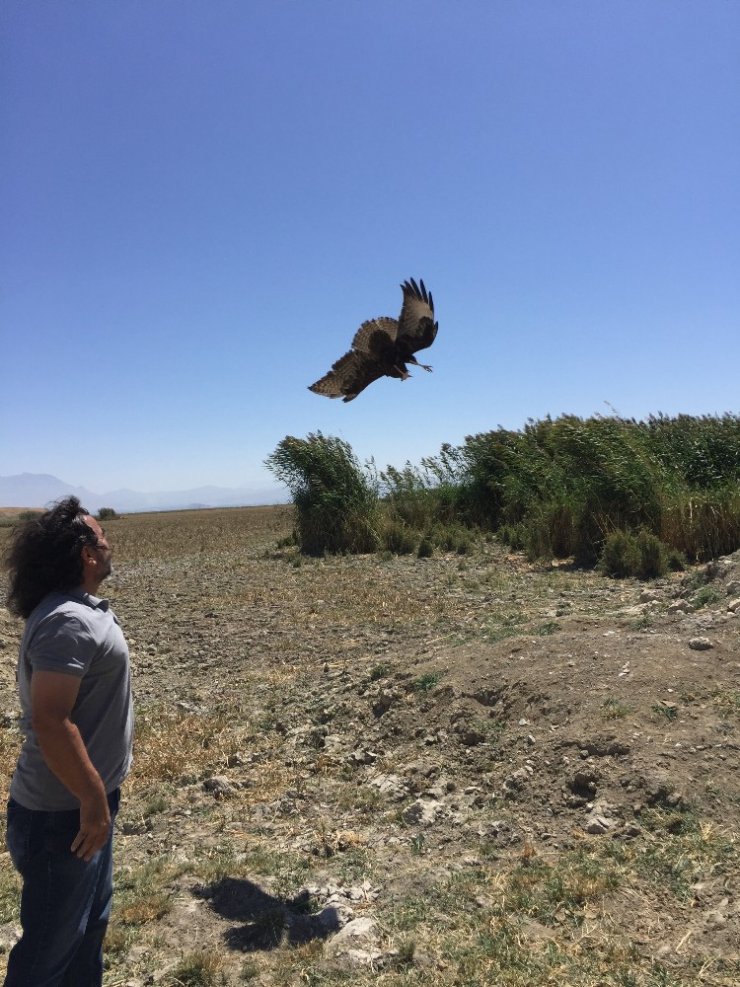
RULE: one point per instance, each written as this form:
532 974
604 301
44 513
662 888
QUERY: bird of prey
382 347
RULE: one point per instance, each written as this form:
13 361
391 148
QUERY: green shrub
426 548
398 538
463 543
513 535
336 501
705 597
652 556
452 538
559 488
107 514
551 530
415 497
620 556
427 682
676 560
642 555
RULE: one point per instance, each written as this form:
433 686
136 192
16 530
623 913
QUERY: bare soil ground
460 770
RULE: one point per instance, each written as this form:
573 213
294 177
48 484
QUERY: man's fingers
95 823
87 843
87 849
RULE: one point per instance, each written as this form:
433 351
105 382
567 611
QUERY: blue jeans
65 901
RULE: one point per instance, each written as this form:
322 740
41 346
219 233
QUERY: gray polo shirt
76 634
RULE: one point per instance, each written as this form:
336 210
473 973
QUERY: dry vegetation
514 774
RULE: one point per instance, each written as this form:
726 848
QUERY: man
76 715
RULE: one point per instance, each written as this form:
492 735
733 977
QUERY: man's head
96 557
61 549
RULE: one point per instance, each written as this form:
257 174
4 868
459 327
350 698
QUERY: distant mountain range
27 490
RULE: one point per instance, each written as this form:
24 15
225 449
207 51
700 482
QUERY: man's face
100 550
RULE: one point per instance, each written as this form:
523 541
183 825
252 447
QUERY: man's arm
53 696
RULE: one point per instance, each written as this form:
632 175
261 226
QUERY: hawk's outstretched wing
416 326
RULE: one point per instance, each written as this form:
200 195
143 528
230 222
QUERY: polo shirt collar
95 602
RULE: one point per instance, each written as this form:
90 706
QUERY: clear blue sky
200 202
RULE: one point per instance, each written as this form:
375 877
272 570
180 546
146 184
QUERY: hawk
382 347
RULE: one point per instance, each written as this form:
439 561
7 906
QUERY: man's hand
94 827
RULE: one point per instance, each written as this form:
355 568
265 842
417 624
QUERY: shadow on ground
266 922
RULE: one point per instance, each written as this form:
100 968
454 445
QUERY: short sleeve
61 643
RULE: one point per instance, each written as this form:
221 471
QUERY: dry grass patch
181 746
185 748
683 851
202 968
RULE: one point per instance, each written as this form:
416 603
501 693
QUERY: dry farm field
453 771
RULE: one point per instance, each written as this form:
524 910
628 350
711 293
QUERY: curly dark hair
45 554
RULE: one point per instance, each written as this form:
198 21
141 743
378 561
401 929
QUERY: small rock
219 786
356 941
363 757
421 813
133 827
734 605
425 769
700 644
598 825
391 786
